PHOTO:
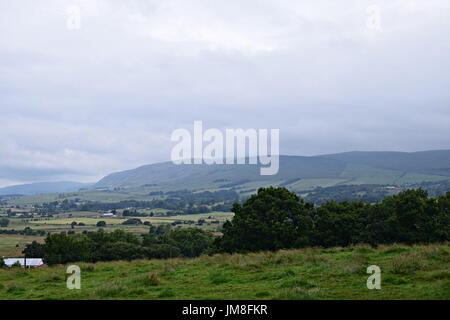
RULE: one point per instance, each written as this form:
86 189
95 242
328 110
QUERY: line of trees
160 243
275 218
27 231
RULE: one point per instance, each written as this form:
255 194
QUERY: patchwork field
417 272
12 245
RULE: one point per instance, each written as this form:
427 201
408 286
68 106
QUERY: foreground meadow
408 272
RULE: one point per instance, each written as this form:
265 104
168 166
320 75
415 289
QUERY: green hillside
43 187
300 173
436 162
407 272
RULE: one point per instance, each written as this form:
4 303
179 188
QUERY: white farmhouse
108 215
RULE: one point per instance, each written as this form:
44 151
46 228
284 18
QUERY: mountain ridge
379 167
296 172
43 188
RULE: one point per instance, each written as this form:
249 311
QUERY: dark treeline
436 188
160 243
370 193
275 218
27 231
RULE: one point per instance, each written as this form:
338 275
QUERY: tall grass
408 272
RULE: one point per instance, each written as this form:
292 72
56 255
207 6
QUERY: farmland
12 245
408 272
286 257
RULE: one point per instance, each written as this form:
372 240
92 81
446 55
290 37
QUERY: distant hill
43 187
427 162
296 172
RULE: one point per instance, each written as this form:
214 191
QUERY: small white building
25 262
108 215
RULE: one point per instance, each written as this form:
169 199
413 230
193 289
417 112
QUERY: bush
161 251
192 242
119 251
406 264
101 224
34 250
132 221
62 248
4 222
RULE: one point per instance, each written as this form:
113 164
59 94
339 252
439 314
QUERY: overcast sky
80 101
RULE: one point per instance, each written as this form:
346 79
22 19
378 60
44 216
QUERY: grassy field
12 245
417 272
221 216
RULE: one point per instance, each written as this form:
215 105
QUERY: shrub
161 251
34 250
191 242
406 264
4 222
101 224
132 221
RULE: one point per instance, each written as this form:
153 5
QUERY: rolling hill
42 188
296 172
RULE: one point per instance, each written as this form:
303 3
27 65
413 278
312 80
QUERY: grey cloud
86 102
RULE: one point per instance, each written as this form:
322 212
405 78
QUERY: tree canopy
276 218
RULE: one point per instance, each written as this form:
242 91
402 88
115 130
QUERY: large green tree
272 219
34 250
409 217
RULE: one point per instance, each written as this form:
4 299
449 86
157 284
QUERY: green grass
364 174
408 272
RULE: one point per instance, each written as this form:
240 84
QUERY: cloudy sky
90 87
